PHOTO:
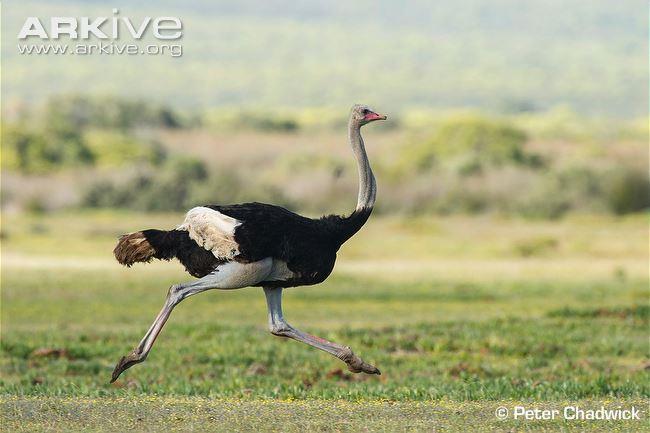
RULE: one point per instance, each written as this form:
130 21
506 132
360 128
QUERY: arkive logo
163 28
114 35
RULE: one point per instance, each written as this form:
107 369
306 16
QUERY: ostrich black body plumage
308 246
256 244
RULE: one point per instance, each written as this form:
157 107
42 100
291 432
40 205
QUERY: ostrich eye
366 111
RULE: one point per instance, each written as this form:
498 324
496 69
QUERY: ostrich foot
356 364
125 363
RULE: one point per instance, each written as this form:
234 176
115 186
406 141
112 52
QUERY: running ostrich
256 244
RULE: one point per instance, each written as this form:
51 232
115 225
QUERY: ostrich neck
348 226
367 185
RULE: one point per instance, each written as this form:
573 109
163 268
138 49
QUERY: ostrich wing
213 231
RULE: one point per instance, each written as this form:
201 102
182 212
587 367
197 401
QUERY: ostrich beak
374 116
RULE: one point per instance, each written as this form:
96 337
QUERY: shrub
179 184
113 149
250 120
543 204
627 191
99 194
559 191
60 146
107 112
43 150
472 142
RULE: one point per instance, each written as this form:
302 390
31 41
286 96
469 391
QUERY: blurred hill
500 55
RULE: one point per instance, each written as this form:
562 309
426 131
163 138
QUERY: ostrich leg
278 326
231 275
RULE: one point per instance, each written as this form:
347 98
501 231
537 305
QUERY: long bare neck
367 186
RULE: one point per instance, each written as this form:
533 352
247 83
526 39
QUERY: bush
59 146
471 143
250 120
627 191
585 189
178 185
113 149
103 193
33 151
107 112
560 191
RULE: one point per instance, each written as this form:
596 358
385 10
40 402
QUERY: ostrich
255 244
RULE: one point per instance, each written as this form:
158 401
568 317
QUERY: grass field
462 315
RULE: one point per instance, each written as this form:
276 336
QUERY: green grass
216 344
451 346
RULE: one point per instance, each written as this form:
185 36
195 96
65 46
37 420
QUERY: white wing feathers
213 231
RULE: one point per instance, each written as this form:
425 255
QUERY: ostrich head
362 114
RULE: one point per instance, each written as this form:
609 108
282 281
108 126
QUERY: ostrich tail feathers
132 248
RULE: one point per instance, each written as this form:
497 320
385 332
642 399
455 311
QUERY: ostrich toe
125 363
356 364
